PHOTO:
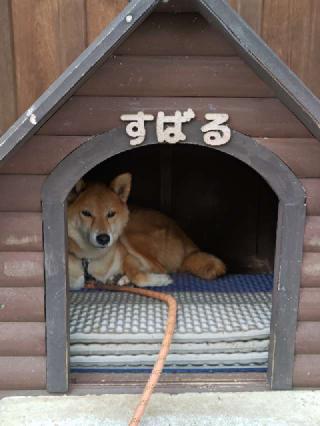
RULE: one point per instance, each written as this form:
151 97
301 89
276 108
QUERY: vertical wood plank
292 29
72 34
251 11
7 80
100 13
48 35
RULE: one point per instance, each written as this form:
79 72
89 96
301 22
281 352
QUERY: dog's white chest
107 267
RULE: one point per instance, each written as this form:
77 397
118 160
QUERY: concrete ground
221 409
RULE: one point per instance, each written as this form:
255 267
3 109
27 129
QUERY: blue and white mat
222 324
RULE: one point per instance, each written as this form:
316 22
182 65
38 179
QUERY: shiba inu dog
143 246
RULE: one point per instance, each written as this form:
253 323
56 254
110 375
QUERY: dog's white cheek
93 239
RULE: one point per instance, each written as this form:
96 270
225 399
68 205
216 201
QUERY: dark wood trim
56 296
287 274
288 251
169 383
99 384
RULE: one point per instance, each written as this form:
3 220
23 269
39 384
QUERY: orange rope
165 346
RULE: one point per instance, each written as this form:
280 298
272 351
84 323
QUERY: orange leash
165 345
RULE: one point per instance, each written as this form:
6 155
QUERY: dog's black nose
103 239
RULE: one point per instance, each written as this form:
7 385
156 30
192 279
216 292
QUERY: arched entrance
288 254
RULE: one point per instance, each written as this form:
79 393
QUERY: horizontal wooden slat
309 304
183 35
306 371
20 193
20 231
21 269
22 339
308 338
310 276
86 115
176 6
312 234
312 187
21 304
22 372
175 76
40 154
301 155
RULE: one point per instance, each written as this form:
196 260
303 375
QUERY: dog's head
97 213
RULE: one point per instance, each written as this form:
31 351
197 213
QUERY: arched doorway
288 250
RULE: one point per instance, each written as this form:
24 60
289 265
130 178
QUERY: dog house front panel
165 74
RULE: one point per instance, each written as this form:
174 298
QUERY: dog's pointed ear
79 187
121 185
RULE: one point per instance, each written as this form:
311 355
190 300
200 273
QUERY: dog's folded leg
142 278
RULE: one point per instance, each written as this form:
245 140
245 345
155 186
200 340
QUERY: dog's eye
86 213
111 213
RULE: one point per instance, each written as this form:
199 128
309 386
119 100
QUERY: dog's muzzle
103 239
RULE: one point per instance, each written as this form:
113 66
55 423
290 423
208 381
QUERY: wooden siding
127 83
22 304
136 76
302 155
306 371
22 339
89 115
22 372
308 338
26 194
20 231
21 269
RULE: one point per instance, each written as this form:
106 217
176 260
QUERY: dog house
254 201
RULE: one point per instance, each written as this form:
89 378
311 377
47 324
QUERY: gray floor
223 409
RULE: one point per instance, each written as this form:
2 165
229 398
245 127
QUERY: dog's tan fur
145 245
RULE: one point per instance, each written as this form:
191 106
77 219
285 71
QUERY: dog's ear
121 185
79 187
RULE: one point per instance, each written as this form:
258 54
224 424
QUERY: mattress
221 325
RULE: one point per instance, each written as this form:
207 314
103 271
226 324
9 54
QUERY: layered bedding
222 325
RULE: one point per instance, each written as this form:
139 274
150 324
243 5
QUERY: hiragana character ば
169 127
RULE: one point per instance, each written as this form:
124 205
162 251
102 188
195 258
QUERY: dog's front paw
77 284
124 280
153 280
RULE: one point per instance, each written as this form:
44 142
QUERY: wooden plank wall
21 261
39 39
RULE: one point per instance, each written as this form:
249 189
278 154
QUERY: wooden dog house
165 57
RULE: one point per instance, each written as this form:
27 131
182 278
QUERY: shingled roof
287 86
